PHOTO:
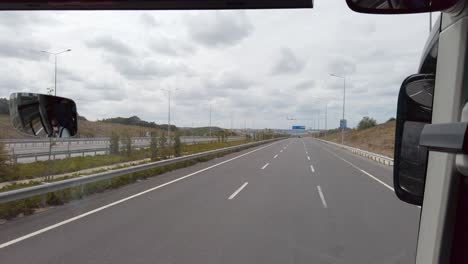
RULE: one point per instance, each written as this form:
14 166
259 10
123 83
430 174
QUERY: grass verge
53 167
28 206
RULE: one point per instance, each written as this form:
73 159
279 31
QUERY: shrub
366 122
114 147
177 145
154 148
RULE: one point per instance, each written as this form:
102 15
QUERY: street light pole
55 57
344 102
210 122
169 91
326 117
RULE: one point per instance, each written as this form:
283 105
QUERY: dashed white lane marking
275 156
324 203
312 168
238 191
264 166
281 150
48 228
308 157
361 170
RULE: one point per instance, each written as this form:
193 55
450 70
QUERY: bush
177 145
5 168
154 148
114 147
366 122
163 146
127 143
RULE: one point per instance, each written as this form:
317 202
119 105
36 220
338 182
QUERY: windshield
260 136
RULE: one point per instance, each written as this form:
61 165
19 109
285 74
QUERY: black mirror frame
358 9
401 118
33 136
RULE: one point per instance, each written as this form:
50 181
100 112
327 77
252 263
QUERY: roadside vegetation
370 136
119 154
29 206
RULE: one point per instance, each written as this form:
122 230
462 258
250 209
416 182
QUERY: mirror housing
410 158
399 6
43 115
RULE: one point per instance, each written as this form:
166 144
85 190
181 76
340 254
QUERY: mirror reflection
43 115
413 157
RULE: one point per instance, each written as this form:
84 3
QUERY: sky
254 68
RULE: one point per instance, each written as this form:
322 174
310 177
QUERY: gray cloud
343 67
110 44
148 20
145 69
287 63
229 81
172 47
16 49
305 85
64 74
219 29
21 19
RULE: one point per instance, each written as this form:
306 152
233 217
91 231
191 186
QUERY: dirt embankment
379 139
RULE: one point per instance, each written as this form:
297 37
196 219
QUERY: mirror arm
447 137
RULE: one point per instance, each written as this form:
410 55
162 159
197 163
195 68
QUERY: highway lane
268 206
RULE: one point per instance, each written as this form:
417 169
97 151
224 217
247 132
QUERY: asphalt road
294 201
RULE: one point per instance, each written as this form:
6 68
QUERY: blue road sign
343 123
299 127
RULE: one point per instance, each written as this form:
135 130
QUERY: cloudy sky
257 67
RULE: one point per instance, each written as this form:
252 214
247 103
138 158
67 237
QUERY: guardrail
138 143
100 140
81 181
370 155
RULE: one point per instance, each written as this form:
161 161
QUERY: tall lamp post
55 56
169 91
344 101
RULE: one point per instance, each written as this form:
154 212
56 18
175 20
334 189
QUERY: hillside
136 121
379 139
86 129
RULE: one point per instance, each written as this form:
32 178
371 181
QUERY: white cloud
219 28
254 66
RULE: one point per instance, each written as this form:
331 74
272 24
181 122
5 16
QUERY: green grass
28 206
44 168
52 167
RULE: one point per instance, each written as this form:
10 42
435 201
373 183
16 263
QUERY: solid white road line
275 156
308 157
43 230
324 203
264 166
312 168
361 170
238 191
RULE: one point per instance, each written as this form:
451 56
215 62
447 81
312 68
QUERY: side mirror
410 159
43 115
399 6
